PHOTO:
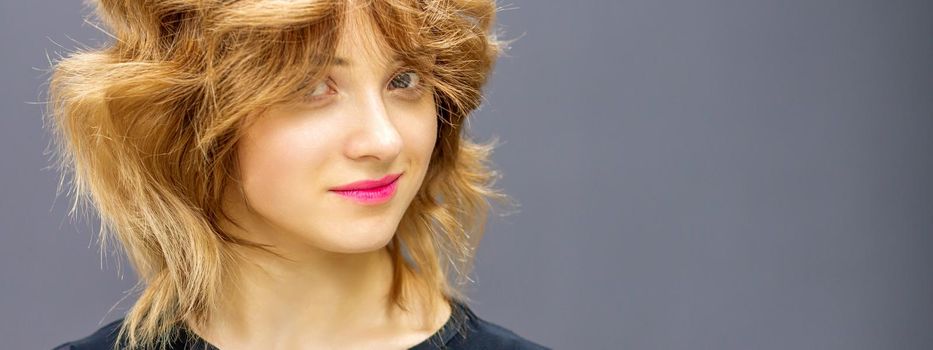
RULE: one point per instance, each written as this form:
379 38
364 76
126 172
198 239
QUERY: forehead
361 40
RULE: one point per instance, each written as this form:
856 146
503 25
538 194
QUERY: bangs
270 52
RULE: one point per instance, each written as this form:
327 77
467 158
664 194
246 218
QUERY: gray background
706 174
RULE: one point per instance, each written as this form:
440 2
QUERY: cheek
419 131
277 160
420 139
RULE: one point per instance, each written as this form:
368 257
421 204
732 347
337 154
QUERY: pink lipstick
370 191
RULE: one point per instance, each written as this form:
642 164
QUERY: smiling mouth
367 193
368 184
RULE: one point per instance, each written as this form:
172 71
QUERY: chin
358 240
360 247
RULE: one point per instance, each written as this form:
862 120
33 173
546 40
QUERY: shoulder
101 339
467 331
478 333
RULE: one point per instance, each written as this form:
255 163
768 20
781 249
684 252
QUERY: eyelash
412 92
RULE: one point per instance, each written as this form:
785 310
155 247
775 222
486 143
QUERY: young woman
286 174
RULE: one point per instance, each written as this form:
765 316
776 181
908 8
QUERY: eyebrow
340 61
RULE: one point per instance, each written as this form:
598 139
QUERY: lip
369 192
368 184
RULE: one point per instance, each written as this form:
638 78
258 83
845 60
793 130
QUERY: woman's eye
405 80
320 90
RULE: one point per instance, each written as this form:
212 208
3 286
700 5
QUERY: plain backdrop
693 174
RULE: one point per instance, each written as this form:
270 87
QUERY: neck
311 296
325 293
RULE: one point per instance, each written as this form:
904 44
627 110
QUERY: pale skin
366 121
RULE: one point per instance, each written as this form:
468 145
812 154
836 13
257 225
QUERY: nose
375 135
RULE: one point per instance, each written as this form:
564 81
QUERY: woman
286 174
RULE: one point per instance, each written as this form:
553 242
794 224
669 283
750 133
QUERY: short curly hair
148 124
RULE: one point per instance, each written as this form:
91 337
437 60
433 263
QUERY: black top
463 330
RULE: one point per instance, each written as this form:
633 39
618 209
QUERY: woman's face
369 120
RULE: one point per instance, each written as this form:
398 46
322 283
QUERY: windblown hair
147 125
